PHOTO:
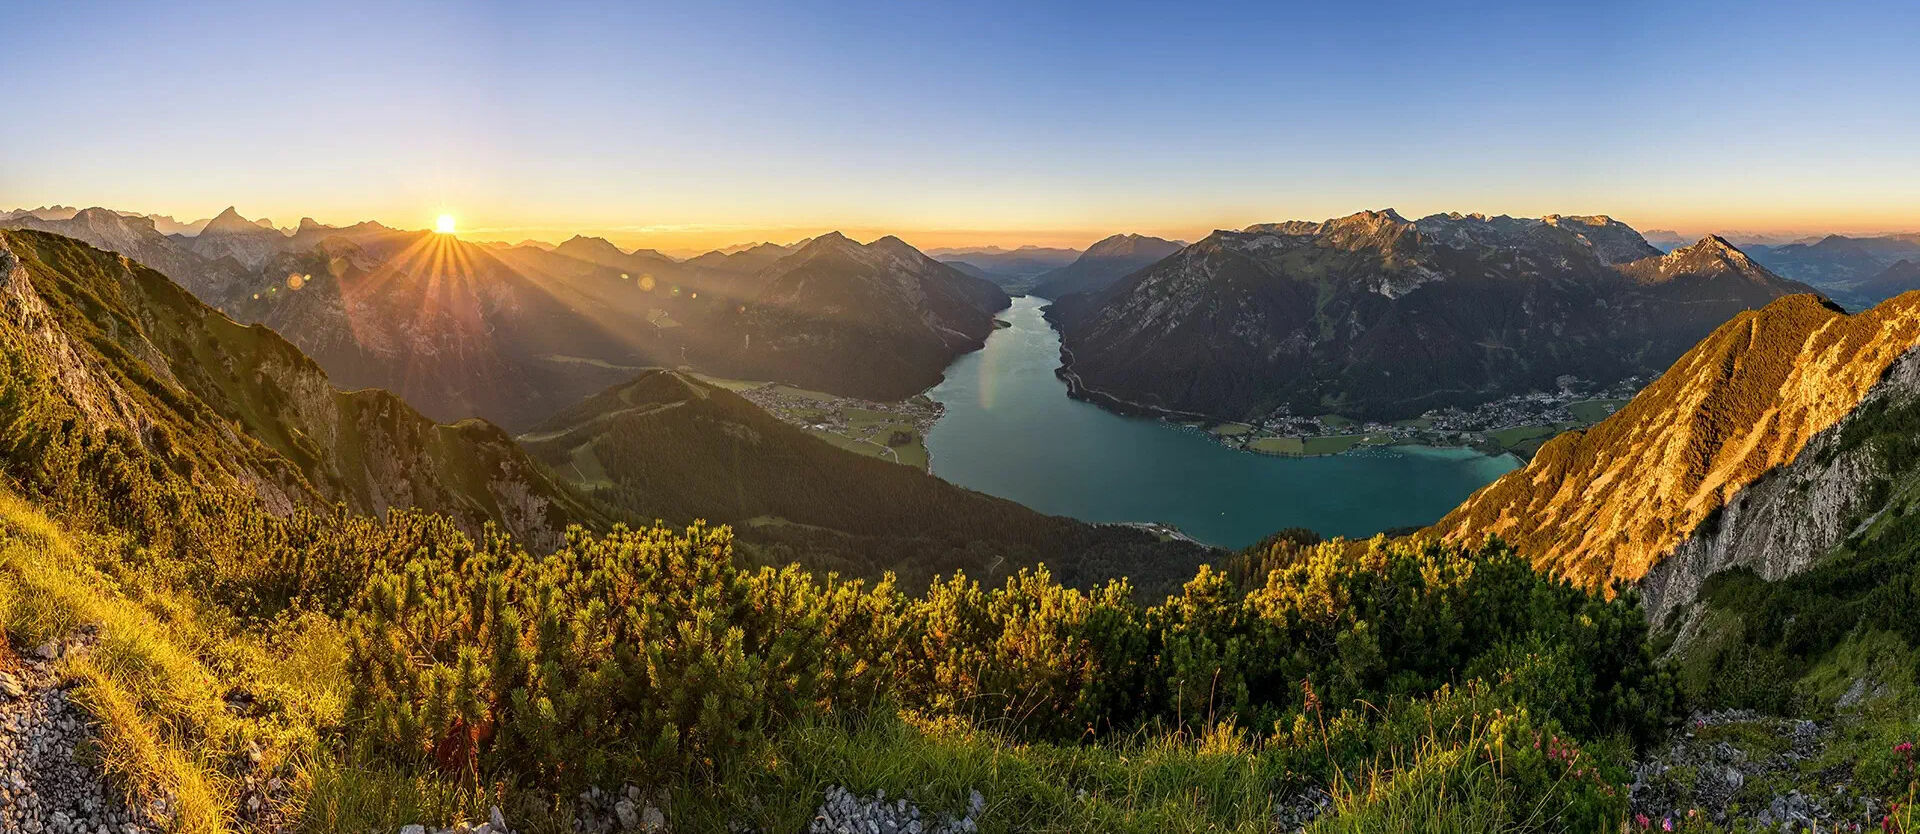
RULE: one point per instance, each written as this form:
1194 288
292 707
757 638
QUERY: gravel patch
845 813
46 785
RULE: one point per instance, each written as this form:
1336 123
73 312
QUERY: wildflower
1666 824
1642 821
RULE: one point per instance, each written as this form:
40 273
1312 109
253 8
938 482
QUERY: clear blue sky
702 122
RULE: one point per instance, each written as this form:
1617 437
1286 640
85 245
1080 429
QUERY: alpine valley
270 560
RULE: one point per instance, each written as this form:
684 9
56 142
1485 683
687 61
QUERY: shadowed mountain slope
1104 263
668 446
879 320
1372 316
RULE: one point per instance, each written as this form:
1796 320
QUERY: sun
444 225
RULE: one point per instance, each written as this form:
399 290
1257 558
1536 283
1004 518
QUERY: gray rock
1780 525
413 829
44 788
842 811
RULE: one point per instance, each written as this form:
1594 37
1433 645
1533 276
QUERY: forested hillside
668 446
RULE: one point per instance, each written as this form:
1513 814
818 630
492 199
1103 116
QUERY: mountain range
1376 317
1014 270
513 334
1858 272
112 346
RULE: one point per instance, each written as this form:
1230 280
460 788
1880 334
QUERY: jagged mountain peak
578 241
601 251
1580 219
108 218
1369 219
1712 252
831 243
230 222
1384 230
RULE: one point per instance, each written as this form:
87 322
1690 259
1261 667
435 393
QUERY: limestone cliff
1612 502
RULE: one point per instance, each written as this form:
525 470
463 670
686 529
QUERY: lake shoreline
1011 428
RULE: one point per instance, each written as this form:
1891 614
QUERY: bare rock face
1794 514
231 236
1666 474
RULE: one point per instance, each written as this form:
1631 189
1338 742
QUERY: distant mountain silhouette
1104 263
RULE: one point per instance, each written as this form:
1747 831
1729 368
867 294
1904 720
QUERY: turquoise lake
1010 430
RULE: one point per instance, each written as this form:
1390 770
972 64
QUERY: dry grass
156 676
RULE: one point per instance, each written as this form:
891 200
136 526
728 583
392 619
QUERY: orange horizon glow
685 239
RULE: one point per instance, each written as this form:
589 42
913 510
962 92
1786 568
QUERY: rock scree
47 783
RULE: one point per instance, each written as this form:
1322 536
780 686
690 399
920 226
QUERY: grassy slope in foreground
120 346
1607 503
172 661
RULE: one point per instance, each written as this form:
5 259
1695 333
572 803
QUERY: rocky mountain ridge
1372 316
1613 503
